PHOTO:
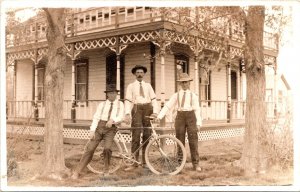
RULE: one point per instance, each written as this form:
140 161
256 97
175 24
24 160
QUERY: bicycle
164 154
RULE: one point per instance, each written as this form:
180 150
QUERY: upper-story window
81 79
130 11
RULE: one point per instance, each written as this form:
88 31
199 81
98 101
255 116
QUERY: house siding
219 84
24 80
134 56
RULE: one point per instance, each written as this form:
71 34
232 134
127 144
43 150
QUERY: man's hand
127 119
153 115
109 123
92 134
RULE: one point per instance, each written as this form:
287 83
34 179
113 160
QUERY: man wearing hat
140 101
109 113
188 118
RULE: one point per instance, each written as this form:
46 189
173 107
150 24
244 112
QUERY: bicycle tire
96 165
171 163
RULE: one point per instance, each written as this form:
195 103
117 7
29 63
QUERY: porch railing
79 22
210 109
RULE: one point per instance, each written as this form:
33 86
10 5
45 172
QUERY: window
130 11
205 85
81 80
112 12
181 66
40 83
99 14
234 85
122 10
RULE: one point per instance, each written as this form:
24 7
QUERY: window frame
79 63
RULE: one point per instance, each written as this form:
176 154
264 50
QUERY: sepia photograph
149 95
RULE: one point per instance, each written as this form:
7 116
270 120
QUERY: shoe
132 167
75 175
197 168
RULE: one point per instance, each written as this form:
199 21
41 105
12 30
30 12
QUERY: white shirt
103 111
133 96
175 104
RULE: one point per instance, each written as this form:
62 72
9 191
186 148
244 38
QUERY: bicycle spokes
165 159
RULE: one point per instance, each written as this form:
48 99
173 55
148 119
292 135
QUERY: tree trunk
54 164
254 157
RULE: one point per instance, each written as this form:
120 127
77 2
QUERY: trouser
186 122
138 114
101 133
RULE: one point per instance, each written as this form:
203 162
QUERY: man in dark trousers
188 118
109 113
140 101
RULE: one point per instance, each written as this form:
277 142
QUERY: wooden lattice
84 133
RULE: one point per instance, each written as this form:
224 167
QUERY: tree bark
254 157
54 164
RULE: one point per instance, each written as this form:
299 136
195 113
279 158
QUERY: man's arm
120 115
169 105
97 117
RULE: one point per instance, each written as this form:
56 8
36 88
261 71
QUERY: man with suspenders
109 113
188 118
140 101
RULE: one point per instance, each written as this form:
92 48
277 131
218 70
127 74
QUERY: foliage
280 141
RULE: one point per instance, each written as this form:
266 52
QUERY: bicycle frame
130 156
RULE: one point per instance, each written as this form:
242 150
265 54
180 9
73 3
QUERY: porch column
36 61
196 82
14 80
118 74
73 109
36 110
162 80
275 89
228 92
73 55
118 50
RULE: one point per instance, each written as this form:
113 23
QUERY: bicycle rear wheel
97 163
165 155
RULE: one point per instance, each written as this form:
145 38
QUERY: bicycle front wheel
97 163
165 155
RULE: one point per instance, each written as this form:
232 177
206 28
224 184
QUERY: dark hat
111 88
139 67
184 77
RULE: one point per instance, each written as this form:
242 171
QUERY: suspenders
118 109
191 100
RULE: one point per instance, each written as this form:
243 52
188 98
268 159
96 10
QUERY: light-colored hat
184 77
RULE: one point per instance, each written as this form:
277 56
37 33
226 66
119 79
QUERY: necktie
182 101
110 110
141 90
